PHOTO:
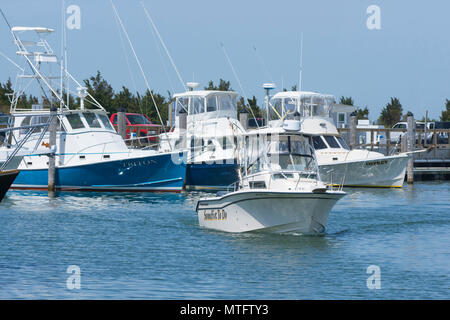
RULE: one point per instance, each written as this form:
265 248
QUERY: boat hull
385 172
270 211
217 176
149 173
6 179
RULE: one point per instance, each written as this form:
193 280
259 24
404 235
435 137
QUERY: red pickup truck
142 123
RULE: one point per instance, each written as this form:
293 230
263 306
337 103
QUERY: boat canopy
283 105
205 101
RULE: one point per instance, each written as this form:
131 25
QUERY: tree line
137 102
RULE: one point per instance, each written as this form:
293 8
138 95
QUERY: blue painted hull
211 176
151 173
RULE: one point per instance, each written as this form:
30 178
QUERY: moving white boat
279 192
337 163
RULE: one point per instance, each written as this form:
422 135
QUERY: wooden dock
431 164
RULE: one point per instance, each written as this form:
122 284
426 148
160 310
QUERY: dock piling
411 142
243 119
52 142
353 135
121 123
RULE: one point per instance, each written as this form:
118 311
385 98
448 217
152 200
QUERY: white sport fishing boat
337 163
210 136
88 152
280 191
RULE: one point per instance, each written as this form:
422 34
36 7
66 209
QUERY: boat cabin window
211 104
342 143
332 142
276 109
34 120
75 121
291 153
316 106
227 102
290 105
106 123
257 185
92 120
181 103
197 105
292 162
277 176
318 143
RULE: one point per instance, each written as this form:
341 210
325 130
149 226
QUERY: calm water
149 246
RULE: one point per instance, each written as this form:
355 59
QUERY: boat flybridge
206 124
279 191
310 112
89 154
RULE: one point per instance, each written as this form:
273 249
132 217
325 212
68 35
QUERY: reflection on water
149 245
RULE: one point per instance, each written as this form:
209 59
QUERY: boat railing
19 144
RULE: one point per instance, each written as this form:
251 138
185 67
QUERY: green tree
445 115
391 114
127 100
362 113
346 100
101 90
257 111
149 107
4 91
223 86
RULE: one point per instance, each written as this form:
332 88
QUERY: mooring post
52 155
121 123
243 119
353 135
182 124
411 142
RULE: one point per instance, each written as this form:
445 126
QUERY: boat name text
219 214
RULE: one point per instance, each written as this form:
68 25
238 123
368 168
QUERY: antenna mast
301 64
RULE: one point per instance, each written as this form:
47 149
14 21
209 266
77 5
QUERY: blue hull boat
153 173
211 176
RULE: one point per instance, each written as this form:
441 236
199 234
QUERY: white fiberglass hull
385 172
264 210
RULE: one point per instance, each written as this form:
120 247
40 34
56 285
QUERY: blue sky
408 58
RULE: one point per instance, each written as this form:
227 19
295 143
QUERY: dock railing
431 139
141 136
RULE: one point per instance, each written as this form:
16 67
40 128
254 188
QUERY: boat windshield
291 153
315 105
282 108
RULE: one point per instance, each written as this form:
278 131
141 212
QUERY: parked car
396 136
442 137
142 123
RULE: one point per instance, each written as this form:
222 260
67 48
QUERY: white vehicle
279 192
356 168
396 136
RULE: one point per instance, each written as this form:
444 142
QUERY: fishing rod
142 71
239 83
